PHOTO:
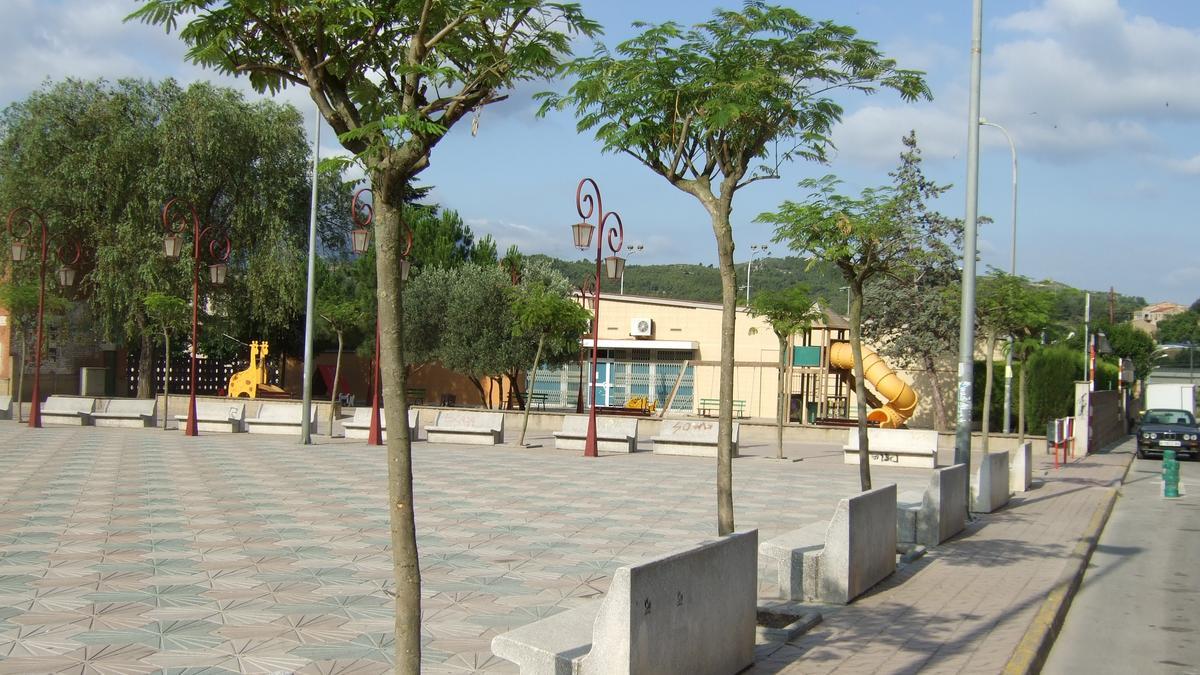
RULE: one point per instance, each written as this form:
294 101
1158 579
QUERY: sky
1101 97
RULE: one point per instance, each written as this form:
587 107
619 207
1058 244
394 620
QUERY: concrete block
908 505
894 447
131 413
1020 468
6 407
359 427
468 427
695 438
613 434
68 410
217 416
692 611
943 512
989 483
785 556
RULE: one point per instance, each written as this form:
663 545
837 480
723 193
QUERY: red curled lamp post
588 204
178 217
21 231
362 214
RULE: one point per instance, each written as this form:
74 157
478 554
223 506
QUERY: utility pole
1087 341
966 337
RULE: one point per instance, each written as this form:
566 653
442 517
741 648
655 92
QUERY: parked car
1163 428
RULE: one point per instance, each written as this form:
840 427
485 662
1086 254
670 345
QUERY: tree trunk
1021 406
782 407
939 402
537 356
166 377
514 390
987 389
719 212
483 396
337 371
145 385
860 392
406 571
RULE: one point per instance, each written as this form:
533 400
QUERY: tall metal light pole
847 289
310 296
362 213
966 337
20 229
178 216
587 205
756 250
630 251
1012 269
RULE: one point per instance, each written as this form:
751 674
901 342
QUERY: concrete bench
217 416
73 410
1020 468
692 611
841 561
359 427
6 407
613 434
281 418
126 412
895 447
989 483
690 437
473 427
940 512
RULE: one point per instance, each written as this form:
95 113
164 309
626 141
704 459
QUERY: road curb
1035 644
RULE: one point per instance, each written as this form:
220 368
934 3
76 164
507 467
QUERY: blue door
603 382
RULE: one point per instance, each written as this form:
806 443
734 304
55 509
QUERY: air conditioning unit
641 327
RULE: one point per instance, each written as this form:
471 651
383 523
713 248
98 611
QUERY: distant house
1146 319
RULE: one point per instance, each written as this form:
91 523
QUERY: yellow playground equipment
252 382
641 403
901 399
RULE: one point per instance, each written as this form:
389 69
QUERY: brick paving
965 606
139 551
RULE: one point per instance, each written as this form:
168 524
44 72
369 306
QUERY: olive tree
788 312
714 108
391 79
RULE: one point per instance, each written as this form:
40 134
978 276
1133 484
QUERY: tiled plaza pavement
137 551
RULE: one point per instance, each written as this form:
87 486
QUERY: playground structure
901 399
252 382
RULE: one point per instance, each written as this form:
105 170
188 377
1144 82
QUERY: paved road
1139 607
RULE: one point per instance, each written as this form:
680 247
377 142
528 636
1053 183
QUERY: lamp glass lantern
615 266
216 273
19 251
66 276
360 239
582 233
172 246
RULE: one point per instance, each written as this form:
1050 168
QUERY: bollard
1170 475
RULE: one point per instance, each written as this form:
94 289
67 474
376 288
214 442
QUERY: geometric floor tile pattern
129 551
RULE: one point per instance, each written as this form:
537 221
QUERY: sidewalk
983 602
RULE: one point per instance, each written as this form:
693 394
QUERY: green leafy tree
341 313
1006 305
1179 329
168 314
21 301
717 107
391 80
1130 343
543 314
886 230
484 252
788 312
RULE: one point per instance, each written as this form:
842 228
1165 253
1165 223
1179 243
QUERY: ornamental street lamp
362 214
587 205
756 250
178 217
21 232
632 250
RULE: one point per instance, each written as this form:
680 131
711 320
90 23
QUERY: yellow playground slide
901 399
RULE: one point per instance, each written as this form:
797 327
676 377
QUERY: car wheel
1141 452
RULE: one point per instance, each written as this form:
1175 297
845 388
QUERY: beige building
1146 319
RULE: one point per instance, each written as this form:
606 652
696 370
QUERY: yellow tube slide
901 399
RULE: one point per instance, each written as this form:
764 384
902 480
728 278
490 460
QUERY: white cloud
1189 166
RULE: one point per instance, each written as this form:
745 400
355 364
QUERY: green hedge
1050 389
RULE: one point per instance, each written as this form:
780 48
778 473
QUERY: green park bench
709 407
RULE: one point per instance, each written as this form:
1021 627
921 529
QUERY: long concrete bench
841 561
690 437
473 427
613 434
6 407
126 412
1020 468
72 410
359 427
692 611
989 483
227 416
940 512
895 447
276 417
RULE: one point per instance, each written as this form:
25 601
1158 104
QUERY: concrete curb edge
1031 652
